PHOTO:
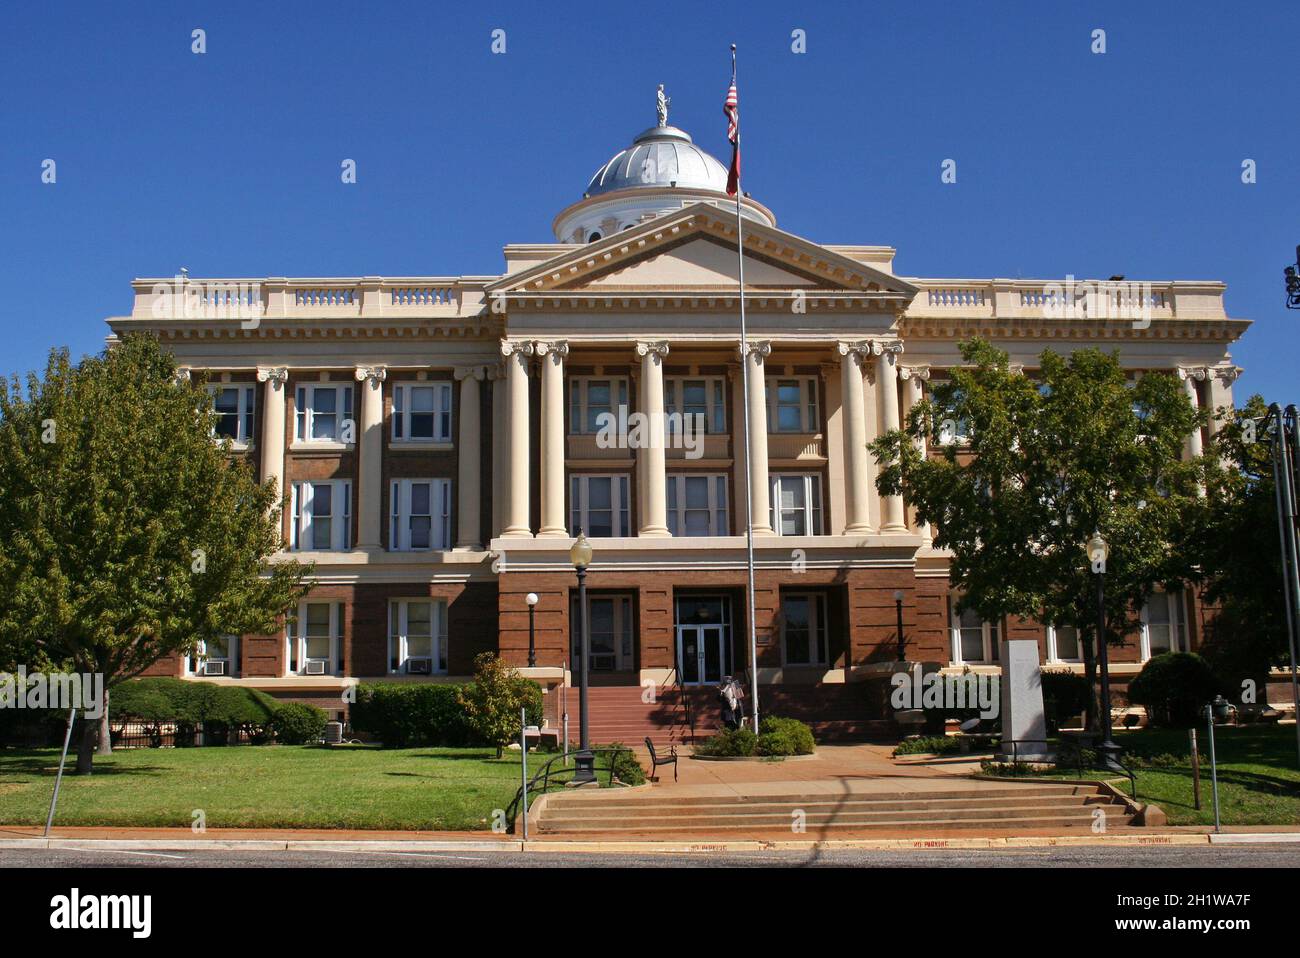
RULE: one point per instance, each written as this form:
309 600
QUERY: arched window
593 237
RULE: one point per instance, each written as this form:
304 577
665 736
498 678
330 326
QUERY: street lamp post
531 599
584 760
1097 550
898 607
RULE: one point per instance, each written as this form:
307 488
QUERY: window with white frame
313 639
592 397
803 628
1063 644
598 505
322 412
697 504
610 631
417 636
422 412
421 515
973 640
216 656
952 429
792 405
322 515
234 408
1162 624
702 398
797 504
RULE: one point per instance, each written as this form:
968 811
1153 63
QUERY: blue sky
228 162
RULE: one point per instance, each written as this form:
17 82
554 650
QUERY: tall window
792 405
1063 644
1162 624
697 505
322 515
609 620
797 504
973 639
421 515
590 398
417 636
322 412
703 399
598 505
234 408
314 645
803 628
216 656
422 412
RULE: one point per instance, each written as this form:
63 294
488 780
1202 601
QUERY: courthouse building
441 439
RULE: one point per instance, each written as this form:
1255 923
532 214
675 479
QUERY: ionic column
1220 381
271 448
654 521
515 519
1189 376
753 354
913 377
370 445
552 359
853 359
469 454
892 518
499 416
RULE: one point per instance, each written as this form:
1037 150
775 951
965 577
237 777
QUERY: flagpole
744 378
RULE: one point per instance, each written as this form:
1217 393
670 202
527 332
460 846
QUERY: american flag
730 110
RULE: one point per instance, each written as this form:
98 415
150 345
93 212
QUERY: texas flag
729 108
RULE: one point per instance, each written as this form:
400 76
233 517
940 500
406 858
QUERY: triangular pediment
695 250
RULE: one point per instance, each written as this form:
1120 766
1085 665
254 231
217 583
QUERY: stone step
829 807
647 800
1028 819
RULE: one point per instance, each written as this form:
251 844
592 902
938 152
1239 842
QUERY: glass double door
703 653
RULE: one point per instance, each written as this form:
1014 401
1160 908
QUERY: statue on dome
661 105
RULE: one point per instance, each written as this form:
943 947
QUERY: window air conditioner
316 666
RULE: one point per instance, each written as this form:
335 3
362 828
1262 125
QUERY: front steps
662 814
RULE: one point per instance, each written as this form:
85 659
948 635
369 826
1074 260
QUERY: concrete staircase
660 813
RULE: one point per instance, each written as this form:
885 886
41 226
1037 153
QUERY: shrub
403 715
784 736
929 744
1065 695
626 768
729 743
297 723
1175 687
217 709
493 700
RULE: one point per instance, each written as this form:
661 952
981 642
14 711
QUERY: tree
1047 462
1240 556
493 700
127 533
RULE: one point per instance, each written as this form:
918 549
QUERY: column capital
656 350
277 376
1199 373
1226 373
1016 369
557 348
892 347
182 374
520 347
921 371
859 350
479 372
373 374
758 348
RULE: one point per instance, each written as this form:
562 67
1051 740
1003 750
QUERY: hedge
1175 687
405 715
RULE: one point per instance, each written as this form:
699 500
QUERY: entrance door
702 653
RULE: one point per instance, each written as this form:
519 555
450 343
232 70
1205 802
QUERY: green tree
1047 462
127 533
493 700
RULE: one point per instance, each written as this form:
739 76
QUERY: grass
1259 782
268 787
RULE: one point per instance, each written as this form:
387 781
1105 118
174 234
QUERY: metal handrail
545 775
1079 765
682 700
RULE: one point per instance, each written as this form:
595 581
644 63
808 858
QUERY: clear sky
228 162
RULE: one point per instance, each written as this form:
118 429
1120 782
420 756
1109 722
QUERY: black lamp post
902 642
1293 282
531 599
584 760
1097 550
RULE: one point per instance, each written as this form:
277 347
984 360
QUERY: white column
888 351
499 417
552 453
1189 376
271 442
913 377
516 519
370 446
469 453
654 474
853 358
756 401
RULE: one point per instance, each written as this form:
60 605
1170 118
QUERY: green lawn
1259 782
268 787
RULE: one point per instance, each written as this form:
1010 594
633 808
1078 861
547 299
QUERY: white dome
662 156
